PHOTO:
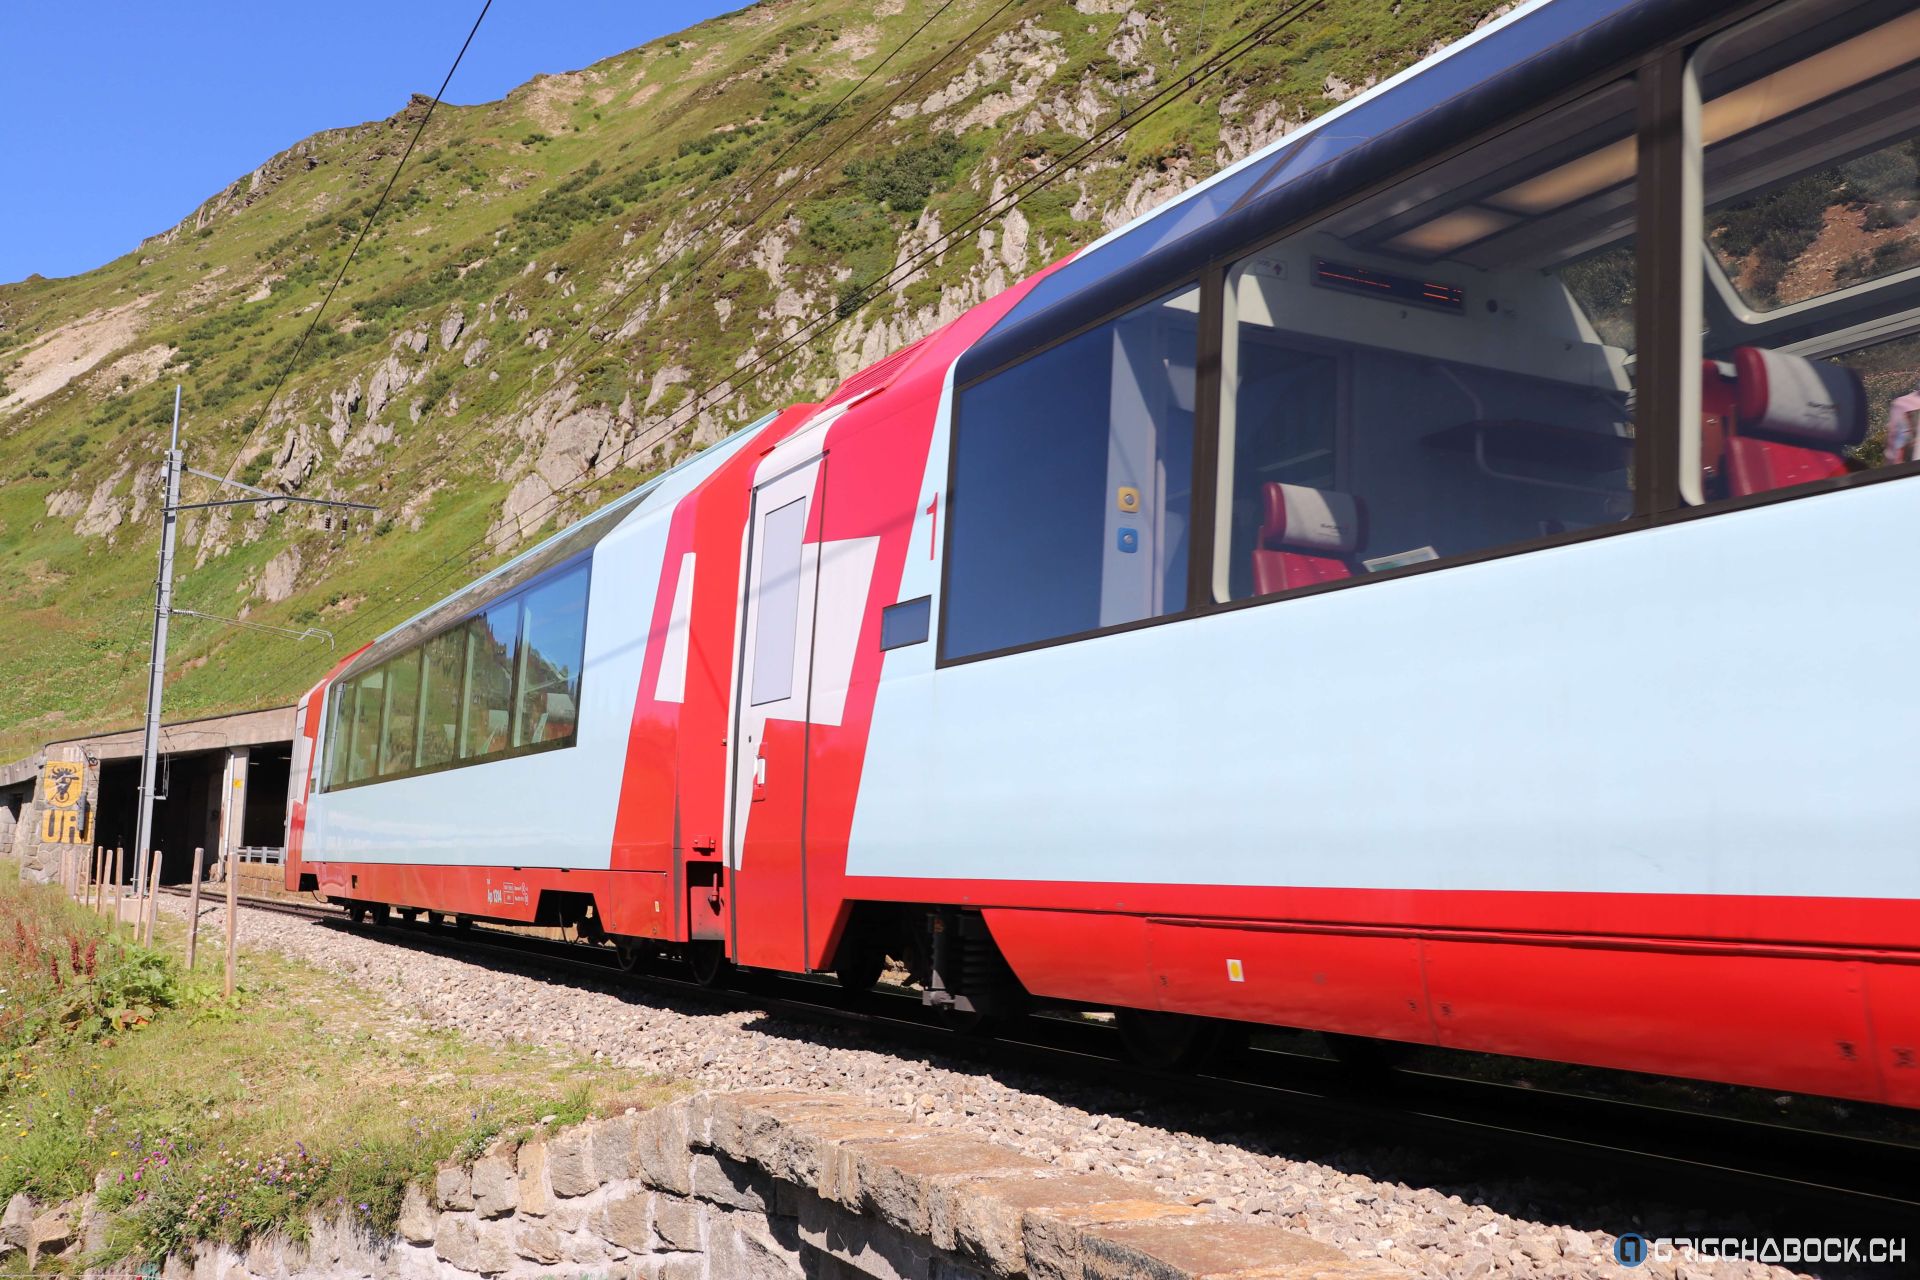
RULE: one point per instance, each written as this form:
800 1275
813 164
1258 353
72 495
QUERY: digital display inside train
1380 284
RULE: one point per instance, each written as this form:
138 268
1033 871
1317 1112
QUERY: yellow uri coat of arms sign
63 815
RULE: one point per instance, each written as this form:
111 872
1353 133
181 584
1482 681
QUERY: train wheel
1169 1041
463 923
626 954
378 913
861 970
356 913
709 963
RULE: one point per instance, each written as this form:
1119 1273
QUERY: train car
1445 580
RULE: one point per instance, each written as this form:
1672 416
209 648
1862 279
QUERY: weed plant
194 1118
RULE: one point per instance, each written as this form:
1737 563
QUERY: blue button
1129 540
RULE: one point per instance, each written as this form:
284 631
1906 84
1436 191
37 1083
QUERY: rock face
780 1186
50 1233
16 1225
278 576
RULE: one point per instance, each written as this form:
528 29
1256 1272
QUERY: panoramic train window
402 714
503 682
1810 127
490 641
553 636
367 697
442 668
1072 485
1439 371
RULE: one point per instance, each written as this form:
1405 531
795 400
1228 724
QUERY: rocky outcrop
16 1225
280 574
389 378
341 406
105 509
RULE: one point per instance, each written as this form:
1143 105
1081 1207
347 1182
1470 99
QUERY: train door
767 753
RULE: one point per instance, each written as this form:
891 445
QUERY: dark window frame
582 560
1660 368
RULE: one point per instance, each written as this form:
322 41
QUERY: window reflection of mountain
1824 231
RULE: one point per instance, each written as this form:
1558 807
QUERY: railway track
1715 1171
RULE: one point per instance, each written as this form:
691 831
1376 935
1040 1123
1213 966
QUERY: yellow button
1129 498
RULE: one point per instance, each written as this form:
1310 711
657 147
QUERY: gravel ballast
1214 1157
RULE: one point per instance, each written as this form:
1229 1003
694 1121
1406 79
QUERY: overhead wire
781 190
293 360
448 452
1191 79
773 164
1206 69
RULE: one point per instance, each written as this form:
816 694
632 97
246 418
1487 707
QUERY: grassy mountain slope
521 334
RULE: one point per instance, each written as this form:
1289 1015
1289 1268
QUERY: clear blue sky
117 117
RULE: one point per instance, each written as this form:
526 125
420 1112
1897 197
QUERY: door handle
759 777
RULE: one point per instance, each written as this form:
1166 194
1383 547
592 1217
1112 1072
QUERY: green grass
650 155
216 1120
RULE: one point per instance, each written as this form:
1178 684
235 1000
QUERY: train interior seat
1771 420
1307 536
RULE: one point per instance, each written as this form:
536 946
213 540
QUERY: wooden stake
193 911
93 876
233 903
152 912
119 868
99 875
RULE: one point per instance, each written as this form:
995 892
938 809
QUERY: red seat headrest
1807 402
1316 521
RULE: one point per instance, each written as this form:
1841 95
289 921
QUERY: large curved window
1071 504
1438 371
553 635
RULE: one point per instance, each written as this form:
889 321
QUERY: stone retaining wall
777 1186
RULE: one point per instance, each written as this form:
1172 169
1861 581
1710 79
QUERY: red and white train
1448 579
